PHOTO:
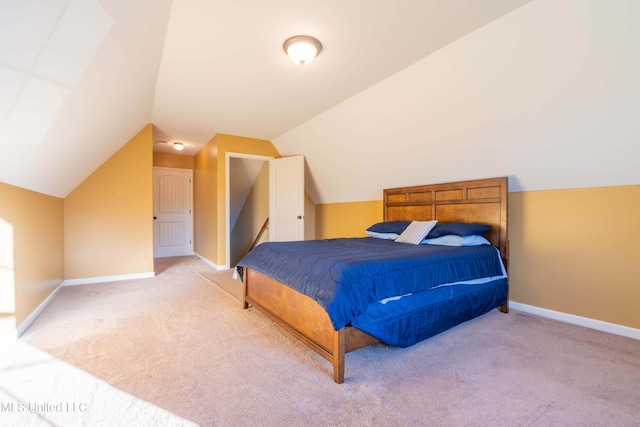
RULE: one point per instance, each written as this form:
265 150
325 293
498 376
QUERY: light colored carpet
224 279
178 350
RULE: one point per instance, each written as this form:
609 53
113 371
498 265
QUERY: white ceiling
78 78
223 69
547 95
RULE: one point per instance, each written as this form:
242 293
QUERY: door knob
300 217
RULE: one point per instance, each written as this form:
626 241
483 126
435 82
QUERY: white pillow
454 240
416 231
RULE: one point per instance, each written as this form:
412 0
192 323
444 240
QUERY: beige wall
574 251
170 160
210 190
108 219
31 252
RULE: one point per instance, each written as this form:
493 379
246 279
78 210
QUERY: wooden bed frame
482 201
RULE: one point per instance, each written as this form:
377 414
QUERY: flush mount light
178 146
302 49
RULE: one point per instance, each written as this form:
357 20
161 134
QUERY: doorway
247 204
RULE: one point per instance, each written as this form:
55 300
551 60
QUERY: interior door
172 212
286 199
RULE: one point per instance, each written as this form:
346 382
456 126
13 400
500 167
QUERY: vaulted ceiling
78 78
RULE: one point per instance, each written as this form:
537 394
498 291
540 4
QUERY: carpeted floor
176 349
224 279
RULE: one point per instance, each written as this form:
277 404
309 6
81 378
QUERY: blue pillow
458 228
455 240
385 236
396 227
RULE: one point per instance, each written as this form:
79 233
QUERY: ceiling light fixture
178 146
302 49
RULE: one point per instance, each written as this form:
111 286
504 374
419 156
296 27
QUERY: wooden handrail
265 227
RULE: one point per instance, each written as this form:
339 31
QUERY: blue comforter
345 275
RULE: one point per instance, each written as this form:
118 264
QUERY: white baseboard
599 325
212 264
35 313
8 341
24 325
103 279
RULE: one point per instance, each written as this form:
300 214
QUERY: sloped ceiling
77 81
223 68
78 78
546 95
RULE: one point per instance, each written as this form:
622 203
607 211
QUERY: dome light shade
178 146
302 49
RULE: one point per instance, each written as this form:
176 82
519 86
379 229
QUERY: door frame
191 187
228 157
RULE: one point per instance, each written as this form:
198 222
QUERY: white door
172 207
286 199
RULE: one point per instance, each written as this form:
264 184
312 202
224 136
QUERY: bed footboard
304 319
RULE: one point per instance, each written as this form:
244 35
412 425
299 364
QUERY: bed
338 295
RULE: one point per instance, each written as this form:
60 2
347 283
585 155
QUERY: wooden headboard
481 201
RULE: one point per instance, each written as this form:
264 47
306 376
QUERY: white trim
599 325
103 279
172 169
212 264
39 309
12 337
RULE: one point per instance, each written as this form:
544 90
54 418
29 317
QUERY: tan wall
108 219
573 251
205 183
170 160
31 252
309 218
210 191
577 251
346 219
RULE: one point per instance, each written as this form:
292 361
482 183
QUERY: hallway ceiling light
302 49
178 146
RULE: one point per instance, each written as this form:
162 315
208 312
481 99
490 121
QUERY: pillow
396 227
459 229
454 240
416 231
385 236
